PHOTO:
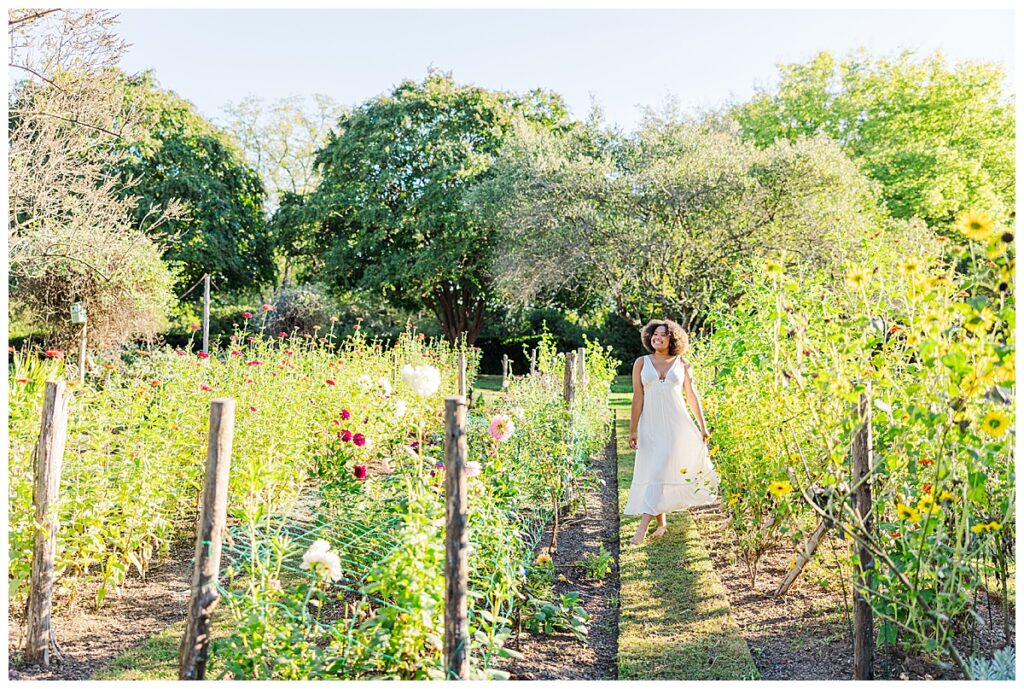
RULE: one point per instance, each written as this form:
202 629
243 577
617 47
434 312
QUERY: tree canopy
388 216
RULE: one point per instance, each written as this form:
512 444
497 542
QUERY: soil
806 634
562 656
91 639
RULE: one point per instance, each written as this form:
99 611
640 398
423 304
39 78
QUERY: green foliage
1001 666
180 157
937 137
387 215
597 565
563 614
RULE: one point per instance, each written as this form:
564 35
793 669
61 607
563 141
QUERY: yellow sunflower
995 423
780 489
907 512
934 319
909 266
856 277
945 495
975 225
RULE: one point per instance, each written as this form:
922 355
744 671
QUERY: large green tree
181 158
388 216
940 139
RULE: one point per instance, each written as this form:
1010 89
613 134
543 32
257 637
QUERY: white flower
424 380
473 469
400 409
385 385
365 382
321 560
518 413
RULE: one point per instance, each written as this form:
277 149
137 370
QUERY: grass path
675 621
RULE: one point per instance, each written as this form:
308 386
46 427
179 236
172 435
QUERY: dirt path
91 639
561 656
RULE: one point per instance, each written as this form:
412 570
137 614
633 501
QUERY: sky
623 59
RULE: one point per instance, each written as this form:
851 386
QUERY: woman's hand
632 440
706 436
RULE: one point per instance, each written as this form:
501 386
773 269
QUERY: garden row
334 553
923 332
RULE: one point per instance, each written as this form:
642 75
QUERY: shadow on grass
675 618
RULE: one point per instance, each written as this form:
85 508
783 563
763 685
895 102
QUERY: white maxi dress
672 469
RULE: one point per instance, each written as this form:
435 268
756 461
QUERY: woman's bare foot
638 539
659 532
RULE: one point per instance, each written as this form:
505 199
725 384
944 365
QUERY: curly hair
678 340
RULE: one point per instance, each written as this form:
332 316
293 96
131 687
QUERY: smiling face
667 338
660 339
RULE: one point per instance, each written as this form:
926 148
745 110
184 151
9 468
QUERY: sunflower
995 423
909 266
975 225
780 489
543 560
927 505
945 496
982 527
980 322
907 512
856 278
934 320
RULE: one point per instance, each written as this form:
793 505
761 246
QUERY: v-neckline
667 371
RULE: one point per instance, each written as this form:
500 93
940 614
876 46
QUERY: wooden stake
456 561
206 314
48 456
569 382
533 361
504 371
581 366
805 555
195 644
863 627
462 373
81 356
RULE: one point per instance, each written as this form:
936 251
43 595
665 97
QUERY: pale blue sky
624 58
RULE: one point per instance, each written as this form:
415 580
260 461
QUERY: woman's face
659 338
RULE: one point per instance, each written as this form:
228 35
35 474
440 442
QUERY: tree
939 139
181 158
388 214
662 222
70 232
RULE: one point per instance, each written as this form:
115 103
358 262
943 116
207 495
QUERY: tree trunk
459 311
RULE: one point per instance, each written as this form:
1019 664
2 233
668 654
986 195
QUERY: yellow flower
856 277
945 495
979 528
772 267
980 322
909 266
995 423
543 559
994 526
995 248
683 470
907 512
975 225
840 386
934 319
780 489
926 505
562 578
733 500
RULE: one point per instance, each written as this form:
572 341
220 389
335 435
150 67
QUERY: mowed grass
154 658
675 621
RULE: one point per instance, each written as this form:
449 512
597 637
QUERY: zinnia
345 414
360 471
359 439
424 380
246 314
345 435
321 560
203 355
473 469
501 428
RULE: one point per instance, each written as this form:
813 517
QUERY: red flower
360 471
155 383
895 329
255 362
330 381
288 352
235 352
895 534
267 307
282 334
246 314
203 355
180 352
252 408
54 353
204 386
345 414
927 488
336 422
248 380
926 462
359 439
195 326
22 380
345 435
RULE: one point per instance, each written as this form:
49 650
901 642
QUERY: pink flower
204 386
345 414
54 353
330 381
248 380
246 314
472 469
252 408
345 435
255 362
336 422
10 349
360 471
203 355
195 326
282 334
501 428
359 439
267 307
288 352
155 383
180 352
235 352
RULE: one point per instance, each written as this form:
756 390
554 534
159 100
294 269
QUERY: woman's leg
641 530
662 526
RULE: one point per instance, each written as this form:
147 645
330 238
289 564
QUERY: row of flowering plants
135 454
353 587
924 327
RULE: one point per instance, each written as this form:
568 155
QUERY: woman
672 469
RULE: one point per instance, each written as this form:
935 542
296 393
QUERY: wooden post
49 454
581 366
533 361
803 558
569 382
456 560
462 373
195 644
206 314
863 628
504 371
81 356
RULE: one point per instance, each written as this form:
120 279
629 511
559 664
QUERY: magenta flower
330 381
205 387
267 307
255 362
359 439
345 435
195 326
180 352
360 471
203 355
345 414
246 314
282 334
252 408
235 352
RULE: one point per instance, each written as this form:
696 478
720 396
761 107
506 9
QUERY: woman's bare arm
638 401
693 399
